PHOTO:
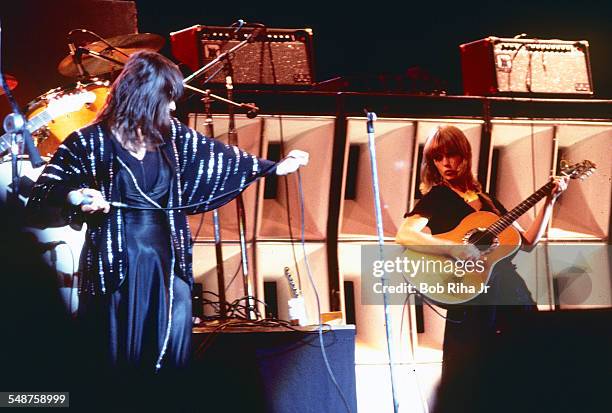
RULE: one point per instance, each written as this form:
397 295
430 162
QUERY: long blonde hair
447 140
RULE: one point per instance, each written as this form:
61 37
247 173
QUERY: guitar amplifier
497 66
277 57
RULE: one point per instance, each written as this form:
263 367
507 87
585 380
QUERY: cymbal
11 82
149 41
124 46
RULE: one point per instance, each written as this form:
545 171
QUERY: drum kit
51 117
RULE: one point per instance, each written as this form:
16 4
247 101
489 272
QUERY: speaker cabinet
273 257
249 139
523 66
581 274
394 152
524 162
534 268
371 335
205 273
583 211
280 215
277 56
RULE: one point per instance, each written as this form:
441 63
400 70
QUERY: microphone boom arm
251 107
97 55
216 60
251 38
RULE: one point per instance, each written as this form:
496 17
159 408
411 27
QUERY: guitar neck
295 291
32 125
508 218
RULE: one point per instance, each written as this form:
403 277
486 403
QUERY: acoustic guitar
445 280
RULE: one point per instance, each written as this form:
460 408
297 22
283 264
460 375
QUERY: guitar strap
490 204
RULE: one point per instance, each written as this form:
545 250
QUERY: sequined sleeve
65 172
213 173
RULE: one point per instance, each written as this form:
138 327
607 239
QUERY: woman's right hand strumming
463 252
412 234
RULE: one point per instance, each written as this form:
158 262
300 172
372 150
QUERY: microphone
252 110
14 122
239 24
258 33
77 198
75 52
251 114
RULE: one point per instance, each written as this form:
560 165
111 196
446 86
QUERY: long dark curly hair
137 107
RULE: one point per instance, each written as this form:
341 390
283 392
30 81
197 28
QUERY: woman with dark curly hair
137 263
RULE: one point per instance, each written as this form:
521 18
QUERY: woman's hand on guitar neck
534 233
559 186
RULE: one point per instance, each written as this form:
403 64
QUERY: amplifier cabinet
276 57
498 66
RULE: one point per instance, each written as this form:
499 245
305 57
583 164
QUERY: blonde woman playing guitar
451 193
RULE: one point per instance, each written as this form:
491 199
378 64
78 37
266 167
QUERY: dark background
350 38
391 36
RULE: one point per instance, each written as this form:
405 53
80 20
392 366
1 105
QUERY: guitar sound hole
482 239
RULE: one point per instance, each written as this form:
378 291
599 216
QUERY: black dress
149 317
473 328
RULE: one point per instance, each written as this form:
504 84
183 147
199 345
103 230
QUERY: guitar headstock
295 291
71 102
580 170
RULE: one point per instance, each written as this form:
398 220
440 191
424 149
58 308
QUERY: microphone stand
252 111
15 124
83 50
232 135
100 39
232 140
371 117
209 130
77 55
78 52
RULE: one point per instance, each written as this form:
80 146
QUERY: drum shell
57 130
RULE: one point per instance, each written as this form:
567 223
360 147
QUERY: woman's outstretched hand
292 162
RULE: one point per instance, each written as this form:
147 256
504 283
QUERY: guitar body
89 99
453 286
444 280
